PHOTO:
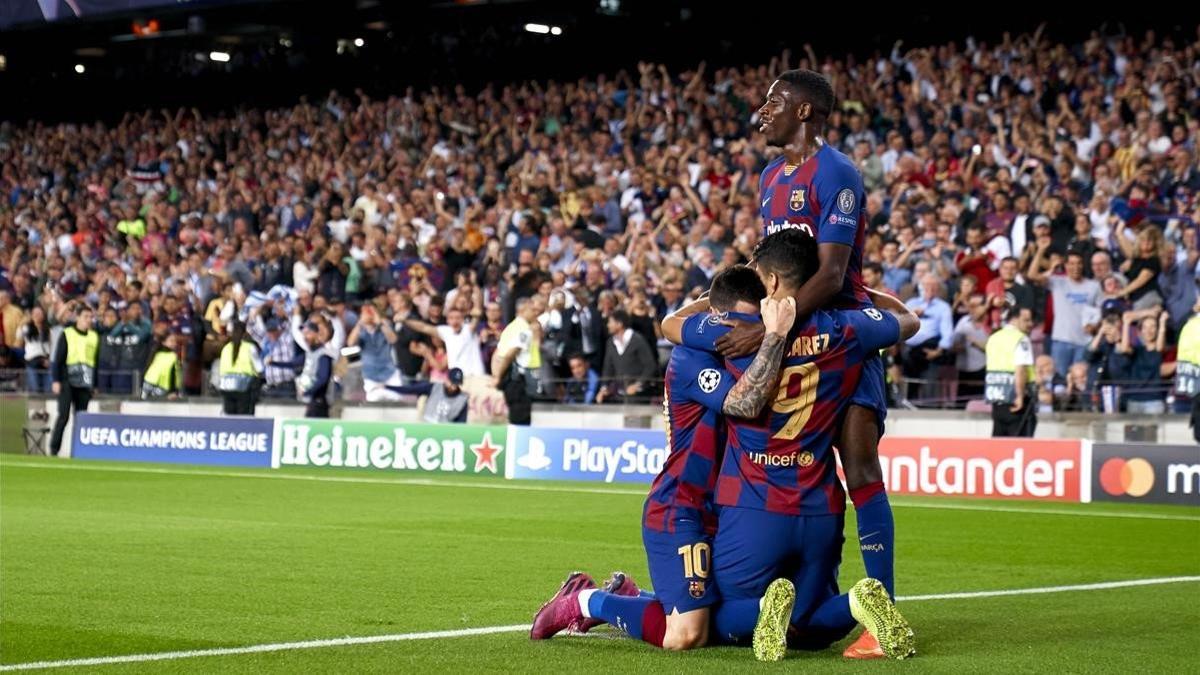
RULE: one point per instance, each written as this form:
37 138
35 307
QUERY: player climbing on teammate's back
678 521
816 189
781 502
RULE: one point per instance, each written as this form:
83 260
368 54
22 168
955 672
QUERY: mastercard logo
1133 477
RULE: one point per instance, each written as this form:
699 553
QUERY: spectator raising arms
1076 308
1146 392
601 197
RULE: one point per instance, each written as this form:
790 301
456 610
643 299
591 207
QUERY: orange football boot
865 647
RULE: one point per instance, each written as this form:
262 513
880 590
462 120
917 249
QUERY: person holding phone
376 338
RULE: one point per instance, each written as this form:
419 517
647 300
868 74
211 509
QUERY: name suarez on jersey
810 345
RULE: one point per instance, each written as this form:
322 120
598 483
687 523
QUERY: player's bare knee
684 638
686 631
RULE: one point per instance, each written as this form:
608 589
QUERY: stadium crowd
553 225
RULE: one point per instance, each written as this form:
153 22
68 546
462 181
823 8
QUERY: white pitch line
1049 512
492 630
262 473
1051 589
527 487
258 649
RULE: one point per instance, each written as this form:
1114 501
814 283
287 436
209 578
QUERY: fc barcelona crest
696 589
797 200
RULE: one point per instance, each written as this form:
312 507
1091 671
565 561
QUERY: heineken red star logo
485 454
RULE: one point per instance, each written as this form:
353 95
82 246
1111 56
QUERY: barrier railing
123 383
1108 397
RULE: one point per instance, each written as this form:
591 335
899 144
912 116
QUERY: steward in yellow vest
164 375
238 372
1187 368
74 371
1009 383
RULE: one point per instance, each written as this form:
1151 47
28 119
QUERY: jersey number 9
800 405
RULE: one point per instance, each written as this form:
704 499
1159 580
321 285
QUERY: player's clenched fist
778 315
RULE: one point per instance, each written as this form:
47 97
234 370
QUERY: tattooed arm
755 386
748 396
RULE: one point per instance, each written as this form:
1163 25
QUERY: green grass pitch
100 559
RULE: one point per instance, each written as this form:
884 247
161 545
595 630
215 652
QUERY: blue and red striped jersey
783 460
696 385
824 197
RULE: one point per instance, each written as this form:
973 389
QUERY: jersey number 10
696 558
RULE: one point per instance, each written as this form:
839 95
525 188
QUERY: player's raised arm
754 387
672 325
909 323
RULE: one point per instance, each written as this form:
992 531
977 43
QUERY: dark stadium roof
280 49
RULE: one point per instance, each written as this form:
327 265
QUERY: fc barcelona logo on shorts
696 589
797 200
806 458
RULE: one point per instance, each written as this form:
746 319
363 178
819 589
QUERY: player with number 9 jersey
783 461
781 503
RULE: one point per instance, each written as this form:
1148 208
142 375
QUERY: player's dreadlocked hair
790 254
733 284
812 87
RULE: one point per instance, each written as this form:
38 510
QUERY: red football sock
654 624
862 495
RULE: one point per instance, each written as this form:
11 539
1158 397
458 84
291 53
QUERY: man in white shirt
459 338
970 342
896 150
339 224
1076 308
1019 232
366 202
